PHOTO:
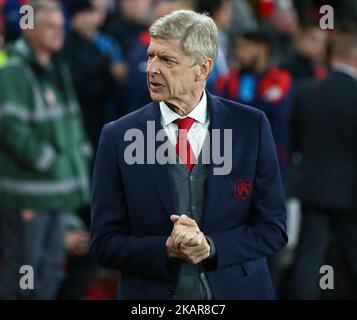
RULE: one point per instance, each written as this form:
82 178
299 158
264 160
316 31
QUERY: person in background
280 19
130 18
344 10
308 58
80 267
93 63
44 157
242 12
324 130
258 83
107 44
221 13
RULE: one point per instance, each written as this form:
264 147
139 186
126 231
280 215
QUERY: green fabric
43 149
3 58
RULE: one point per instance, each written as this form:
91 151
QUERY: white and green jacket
44 154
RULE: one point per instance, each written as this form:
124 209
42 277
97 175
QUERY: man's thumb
174 218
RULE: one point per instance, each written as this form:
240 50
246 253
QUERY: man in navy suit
195 226
324 130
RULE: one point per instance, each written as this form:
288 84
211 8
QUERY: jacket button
170 291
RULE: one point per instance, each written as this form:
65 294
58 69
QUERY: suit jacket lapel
159 173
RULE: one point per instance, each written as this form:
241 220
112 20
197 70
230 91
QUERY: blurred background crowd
61 84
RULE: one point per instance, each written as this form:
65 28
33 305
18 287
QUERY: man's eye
168 61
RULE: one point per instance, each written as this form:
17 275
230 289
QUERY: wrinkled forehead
170 47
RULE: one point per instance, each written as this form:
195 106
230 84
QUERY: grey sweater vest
189 195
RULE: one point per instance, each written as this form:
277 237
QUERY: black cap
74 6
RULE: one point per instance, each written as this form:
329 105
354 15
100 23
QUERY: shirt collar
199 113
345 68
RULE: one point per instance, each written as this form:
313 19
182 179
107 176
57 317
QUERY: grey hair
40 6
197 31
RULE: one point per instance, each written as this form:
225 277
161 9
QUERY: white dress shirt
198 132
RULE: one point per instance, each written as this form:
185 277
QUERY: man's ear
204 68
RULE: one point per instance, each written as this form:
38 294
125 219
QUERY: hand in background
77 242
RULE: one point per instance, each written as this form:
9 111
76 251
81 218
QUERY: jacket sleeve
26 146
266 233
112 244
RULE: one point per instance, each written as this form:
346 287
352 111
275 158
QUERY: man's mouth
155 85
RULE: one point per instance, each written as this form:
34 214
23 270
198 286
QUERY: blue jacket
244 211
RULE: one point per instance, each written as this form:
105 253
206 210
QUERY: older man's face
48 33
170 74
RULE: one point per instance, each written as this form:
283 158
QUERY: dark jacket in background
124 32
94 84
302 68
324 131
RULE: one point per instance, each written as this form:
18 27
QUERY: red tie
183 147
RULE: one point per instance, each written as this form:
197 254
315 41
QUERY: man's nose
153 66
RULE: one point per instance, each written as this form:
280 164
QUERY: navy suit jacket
132 204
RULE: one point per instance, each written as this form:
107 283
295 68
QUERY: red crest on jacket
243 189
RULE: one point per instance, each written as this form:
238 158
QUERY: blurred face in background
285 22
48 33
135 11
250 54
223 16
163 8
85 23
312 43
101 10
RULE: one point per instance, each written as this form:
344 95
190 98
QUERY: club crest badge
243 189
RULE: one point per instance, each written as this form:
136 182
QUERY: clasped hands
187 241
